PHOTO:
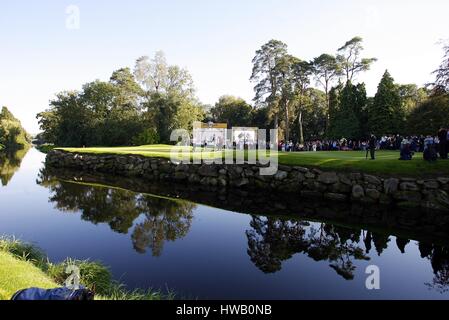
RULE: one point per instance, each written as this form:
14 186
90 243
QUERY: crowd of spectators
407 145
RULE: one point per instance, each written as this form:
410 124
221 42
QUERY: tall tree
286 82
152 73
326 70
334 107
412 96
310 121
352 102
180 82
429 116
234 111
386 115
157 76
128 91
266 76
350 61
301 73
441 84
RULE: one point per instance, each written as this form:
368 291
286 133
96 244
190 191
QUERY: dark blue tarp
53 294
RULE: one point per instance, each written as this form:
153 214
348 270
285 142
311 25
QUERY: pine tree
386 114
348 118
334 105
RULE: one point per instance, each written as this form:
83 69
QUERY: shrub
22 250
429 116
148 136
94 275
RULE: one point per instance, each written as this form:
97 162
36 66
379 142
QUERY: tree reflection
10 162
274 240
439 258
152 221
163 219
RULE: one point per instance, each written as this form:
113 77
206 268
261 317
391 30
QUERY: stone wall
299 181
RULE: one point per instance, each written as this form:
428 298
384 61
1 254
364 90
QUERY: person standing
442 137
372 143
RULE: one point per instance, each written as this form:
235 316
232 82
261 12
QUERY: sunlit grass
23 266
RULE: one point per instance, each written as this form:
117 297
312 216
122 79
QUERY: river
201 251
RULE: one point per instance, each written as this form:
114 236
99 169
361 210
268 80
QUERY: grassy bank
387 162
24 266
16 274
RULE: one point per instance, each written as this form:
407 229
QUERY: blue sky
216 40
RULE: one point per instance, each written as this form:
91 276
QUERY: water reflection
272 240
10 162
160 220
439 258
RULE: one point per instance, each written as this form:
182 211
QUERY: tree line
304 99
284 85
12 135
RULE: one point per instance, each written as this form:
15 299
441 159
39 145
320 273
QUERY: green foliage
121 112
261 118
350 61
16 274
45 148
429 116
93 275
22 250
157 76
10 161
313 109
148 136
168 112
118 291
12 135
267 74
334 106
347 112
441 84
412 96
386 114
233 111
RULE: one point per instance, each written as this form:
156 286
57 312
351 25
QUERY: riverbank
386 164
17 274
300 182
23 265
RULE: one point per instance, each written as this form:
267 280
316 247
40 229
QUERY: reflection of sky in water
209 259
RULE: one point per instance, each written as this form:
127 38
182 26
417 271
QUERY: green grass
45 148
17 274
23 265
387 162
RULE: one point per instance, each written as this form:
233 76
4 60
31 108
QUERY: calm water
203 252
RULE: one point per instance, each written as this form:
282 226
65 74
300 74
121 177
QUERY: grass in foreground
387 162
16 274
22 266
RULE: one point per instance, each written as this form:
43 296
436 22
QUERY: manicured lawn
16 275
387 162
